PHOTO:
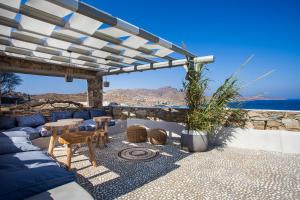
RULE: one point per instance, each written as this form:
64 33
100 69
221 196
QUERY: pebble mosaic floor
226 173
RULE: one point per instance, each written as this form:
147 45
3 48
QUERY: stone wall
45 108
274 120
150 113
257 119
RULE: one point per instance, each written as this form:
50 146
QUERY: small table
78 121
101 133
64 126
78 138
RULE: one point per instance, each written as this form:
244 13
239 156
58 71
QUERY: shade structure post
95 92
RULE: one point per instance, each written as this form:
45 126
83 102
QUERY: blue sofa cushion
30 120
82 115
28 173
15 145
61 115
97 113
7 122
42 131
111 123
31 133
13 134
12 140
88 125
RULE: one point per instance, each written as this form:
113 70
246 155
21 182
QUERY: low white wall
173 129
267 140
120 127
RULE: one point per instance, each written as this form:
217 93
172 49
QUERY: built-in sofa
28 172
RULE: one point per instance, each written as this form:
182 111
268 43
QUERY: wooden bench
73 138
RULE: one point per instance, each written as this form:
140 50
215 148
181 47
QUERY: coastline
185 107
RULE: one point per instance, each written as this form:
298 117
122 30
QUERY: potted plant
205 114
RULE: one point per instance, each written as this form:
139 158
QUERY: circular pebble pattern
138 154
226 173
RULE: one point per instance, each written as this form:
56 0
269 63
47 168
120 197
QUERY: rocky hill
142 97
136 97
146 97
80 97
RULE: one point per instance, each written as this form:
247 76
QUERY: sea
289 104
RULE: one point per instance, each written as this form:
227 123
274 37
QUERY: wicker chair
136 133
157 136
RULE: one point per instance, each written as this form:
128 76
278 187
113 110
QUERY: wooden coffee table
54 127
101 132
78 121
81 137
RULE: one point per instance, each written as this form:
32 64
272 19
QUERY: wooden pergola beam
102 16
19 65
156 66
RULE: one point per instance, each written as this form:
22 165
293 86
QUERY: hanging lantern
68 78
69 75
105 84
69 72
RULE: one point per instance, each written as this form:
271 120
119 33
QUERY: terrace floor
225 173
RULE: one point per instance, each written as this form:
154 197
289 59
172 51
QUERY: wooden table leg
52 141
99 136
103 139
106 131
106 139
97 139
91 151
100 140
69 155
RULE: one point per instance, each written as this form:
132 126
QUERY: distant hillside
141 97
146 97
80 97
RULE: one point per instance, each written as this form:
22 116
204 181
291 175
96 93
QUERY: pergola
73 39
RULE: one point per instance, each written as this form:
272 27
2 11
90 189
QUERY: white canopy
74 34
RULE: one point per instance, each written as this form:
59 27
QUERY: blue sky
231 30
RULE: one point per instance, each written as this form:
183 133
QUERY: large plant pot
194 141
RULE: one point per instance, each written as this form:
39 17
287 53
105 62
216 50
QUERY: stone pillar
94 92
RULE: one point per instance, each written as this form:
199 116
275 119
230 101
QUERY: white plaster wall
120 127
173 129
267 140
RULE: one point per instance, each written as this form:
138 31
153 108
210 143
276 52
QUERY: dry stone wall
44 108
274 120
257 119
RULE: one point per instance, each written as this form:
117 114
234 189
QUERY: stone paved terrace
225 173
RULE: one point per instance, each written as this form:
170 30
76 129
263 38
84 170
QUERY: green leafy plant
206 114
8 83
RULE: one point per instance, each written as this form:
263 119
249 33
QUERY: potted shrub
205 114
